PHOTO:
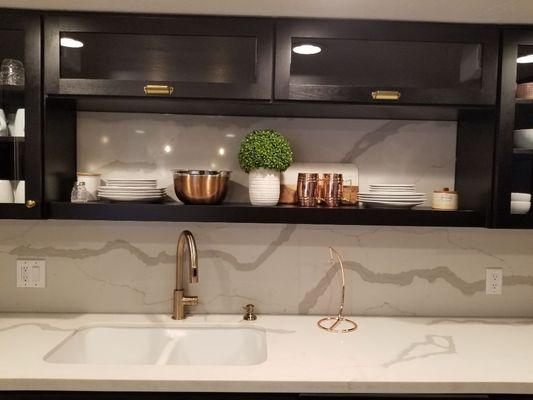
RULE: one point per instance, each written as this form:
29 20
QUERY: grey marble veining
431 346
129 267
283 269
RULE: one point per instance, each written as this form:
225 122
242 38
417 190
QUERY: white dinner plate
385 204
129 198
392 185
362 198
392 193
130 190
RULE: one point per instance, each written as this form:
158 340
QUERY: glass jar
80 194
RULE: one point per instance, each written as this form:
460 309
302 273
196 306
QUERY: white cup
520 207
19 191
3 124
520 197
20 122
92 181
6 192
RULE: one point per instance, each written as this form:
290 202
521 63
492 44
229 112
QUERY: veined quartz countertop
385 355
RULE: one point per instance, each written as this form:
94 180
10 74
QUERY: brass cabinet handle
158 89
386 95
30 203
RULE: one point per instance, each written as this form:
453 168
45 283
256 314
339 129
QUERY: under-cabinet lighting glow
167 148
72 43
306 49
525 59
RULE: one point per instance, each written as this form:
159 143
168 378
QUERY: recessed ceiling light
72 43
306 49
525 59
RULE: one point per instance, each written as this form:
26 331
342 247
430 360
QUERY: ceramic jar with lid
445 199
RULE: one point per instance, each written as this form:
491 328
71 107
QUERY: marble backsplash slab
284 269
149 145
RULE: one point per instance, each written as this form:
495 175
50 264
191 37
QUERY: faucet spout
185 240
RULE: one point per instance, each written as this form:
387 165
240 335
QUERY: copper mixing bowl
201 186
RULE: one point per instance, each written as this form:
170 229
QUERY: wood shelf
522 151
12 89
11 139
523 101
246 213
519 221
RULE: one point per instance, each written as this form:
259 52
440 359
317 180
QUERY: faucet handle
249 314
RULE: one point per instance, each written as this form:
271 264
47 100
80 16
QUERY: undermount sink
162 346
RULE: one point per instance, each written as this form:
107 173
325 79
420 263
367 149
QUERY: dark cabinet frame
505 154
386 31
30 23
262 29
54 160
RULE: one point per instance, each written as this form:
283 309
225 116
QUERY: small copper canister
307 189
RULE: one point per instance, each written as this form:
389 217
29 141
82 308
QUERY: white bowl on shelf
523 138
520 207
521 197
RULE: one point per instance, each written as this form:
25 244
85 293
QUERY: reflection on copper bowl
201 186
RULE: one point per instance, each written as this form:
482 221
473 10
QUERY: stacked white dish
391 196
520 203
131 190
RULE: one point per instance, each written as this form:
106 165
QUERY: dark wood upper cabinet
183 57
513 165
417 63
20 112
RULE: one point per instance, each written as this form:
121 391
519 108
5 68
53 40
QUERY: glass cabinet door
368 62
514 154
176 57
20 116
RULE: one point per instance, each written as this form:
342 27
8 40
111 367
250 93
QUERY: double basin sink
162 346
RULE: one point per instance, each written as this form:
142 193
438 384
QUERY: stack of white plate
131 190
391 196
145 183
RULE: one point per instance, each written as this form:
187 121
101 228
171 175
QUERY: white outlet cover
493 281
31 273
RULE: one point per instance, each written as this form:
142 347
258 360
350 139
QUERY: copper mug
331 190
307 189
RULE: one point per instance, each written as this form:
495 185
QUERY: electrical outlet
494 280
31 273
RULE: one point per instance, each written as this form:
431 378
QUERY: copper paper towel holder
339 318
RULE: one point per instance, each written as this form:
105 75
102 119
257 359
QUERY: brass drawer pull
158 89
386 95
30 203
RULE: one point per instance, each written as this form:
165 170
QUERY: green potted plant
263 155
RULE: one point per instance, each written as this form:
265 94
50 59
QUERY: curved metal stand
339 319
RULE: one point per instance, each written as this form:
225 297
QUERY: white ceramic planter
264 187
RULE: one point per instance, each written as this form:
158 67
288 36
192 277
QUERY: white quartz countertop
385 355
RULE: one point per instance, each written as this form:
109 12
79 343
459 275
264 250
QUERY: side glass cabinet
388 62
514 161
182 57
20 116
